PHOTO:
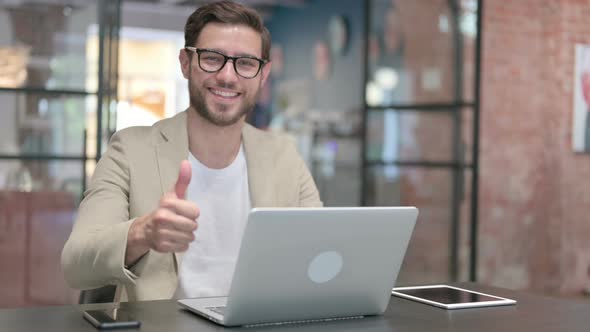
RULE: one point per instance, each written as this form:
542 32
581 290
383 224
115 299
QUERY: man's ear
184 59
265 72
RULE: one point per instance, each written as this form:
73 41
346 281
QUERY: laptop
312 264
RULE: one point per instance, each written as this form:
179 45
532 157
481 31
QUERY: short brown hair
227 12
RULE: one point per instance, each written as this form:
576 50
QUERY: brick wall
535 191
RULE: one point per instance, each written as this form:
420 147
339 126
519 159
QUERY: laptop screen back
299 264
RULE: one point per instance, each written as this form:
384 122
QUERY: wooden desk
532 313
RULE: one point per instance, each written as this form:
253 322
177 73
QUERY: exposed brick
534 199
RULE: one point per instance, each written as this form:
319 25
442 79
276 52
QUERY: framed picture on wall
581 114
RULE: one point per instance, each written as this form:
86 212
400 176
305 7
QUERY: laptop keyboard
219 310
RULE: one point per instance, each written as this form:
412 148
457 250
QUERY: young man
164 233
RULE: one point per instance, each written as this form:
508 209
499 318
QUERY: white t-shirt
224 201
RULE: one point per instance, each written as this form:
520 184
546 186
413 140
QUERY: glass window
431 191
468 27
45 124
43 44
417 135
411 53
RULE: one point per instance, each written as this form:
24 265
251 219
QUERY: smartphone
111 319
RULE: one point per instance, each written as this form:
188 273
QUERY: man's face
223 98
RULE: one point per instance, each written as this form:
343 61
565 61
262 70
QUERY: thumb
184 178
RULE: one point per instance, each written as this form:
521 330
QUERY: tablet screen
447 295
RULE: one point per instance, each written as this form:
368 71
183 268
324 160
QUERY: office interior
471 110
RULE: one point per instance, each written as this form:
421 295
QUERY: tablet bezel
501 301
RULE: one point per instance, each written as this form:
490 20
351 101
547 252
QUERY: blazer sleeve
309 195
94 254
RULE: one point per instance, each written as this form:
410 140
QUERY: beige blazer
140 165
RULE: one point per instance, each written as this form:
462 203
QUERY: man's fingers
165 218
182 207
184 179
163 237
174 236
166 247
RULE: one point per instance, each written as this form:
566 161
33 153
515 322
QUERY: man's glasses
212 61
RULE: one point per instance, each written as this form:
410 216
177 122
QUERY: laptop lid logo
325 267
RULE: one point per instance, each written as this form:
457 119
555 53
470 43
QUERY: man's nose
228 73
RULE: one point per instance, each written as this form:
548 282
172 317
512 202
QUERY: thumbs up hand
170 227
184 179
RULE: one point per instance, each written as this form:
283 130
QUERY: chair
103 294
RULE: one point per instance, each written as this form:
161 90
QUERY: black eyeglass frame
261 62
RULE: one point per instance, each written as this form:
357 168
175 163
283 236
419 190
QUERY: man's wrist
137 245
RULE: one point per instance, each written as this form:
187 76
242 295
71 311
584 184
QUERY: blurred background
462 108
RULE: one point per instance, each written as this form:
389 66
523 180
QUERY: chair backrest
104 294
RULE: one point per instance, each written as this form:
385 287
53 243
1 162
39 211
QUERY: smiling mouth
224 94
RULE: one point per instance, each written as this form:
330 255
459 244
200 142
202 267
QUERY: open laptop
307 264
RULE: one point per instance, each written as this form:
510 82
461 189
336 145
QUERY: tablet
450 297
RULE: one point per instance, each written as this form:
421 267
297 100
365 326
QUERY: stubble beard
197 101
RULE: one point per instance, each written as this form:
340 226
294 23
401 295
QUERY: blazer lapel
259 160
171 149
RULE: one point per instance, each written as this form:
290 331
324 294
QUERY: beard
197 101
